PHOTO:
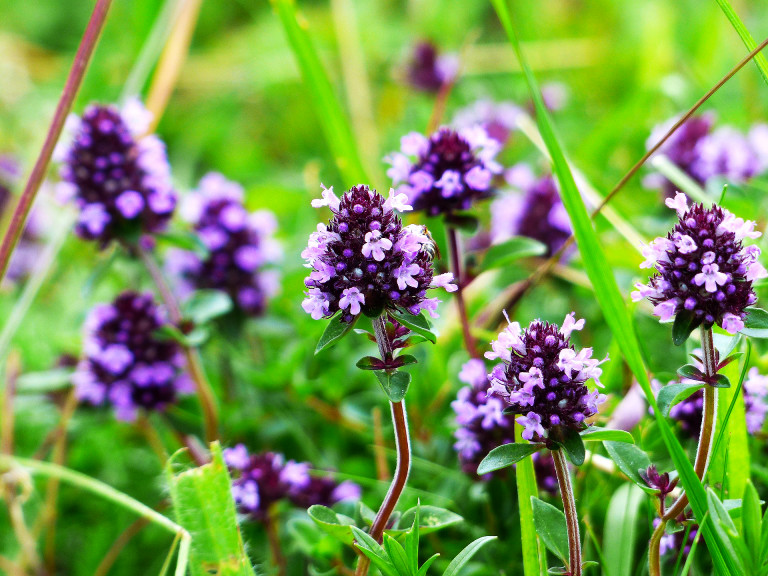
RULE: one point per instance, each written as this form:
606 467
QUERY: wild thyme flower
125 364
542 377
429 71
240 245
498 119
755 400
702 267
118 176
447 171
366 261
660 482
260 480
534 209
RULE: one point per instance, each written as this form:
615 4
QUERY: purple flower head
538 214
240 246
660 482
482 424
366 261
260 480
755 400
702 267
119 177
125 364
543 378
498 119
446 172
429 71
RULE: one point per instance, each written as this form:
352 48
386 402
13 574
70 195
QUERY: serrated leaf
685 323
395 384
205 305
672 394
334 332
606 435
417 323
503 254
629 458
203 505
551 528
466 555
506 455
756 323
330 522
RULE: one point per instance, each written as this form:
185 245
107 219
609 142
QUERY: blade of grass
611 302
746 37
534 555
329 112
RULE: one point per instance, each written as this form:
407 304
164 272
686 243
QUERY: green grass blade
746 37
322 95
621 531
203 504
534 555
612 304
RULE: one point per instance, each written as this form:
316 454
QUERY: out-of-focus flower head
498 119
532 208
240 246
702 267
125 363
446 172
261 480
118 176
543 378
366 261
428 70
755 400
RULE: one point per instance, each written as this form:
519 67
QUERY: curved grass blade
534 555
611 302
746 37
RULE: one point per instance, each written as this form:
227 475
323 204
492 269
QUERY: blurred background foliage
240 108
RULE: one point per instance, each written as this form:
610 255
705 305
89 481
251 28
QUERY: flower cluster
366 261
125 363
429 71
498 119
260 480
702 267
703 154
447 171
543 378
534 210
119 177
239 244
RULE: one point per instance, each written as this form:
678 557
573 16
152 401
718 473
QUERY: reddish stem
74 80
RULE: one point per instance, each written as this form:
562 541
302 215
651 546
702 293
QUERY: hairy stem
453 245
74 80
403 449
569 508
194 365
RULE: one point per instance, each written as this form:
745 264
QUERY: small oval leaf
418 323
506 455
672 394
551 528
605 435
334 332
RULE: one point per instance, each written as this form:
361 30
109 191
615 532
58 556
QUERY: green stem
571 516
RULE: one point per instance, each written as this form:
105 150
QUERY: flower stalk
571 516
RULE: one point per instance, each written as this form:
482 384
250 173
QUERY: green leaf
397 555
630 459
335 331
424 567
412 541
752 524
685 323
322 94
756 323
374 551
337 525
672 394
551 528
195 338
417 323
406 359
605 435
506 455
500 255
370 363
573 445
44 382
612 302
203 505
466 555
534 555
690 371
746 37
205 305
395 384
724 526
721 381
431 519
621 530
